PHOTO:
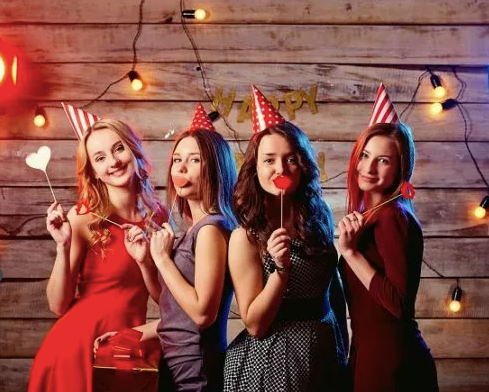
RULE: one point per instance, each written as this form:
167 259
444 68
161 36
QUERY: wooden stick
50 187
381 204
282 209
106 219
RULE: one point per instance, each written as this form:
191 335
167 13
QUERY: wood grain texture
398 44
27 299
251 11
438 164
336 82
333 121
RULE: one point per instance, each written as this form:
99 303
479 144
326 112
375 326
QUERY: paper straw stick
106 219
50 187
381 204
281 209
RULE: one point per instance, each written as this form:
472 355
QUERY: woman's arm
201 302
258 304
70 250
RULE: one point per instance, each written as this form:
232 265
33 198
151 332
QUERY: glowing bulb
455 306
480 212
40 117
2 69
14 70
440 92
39 121
436 108
136 85
200 14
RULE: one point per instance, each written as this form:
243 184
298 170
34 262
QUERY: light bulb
2 69
14 70
480 212
40 117
455 306
436 108
200 14
136 82
440 91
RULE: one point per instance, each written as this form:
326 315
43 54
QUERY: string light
481 210
455 304
199 14
438 107
136 82
40 118
440 91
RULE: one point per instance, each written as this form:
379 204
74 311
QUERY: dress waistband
300 309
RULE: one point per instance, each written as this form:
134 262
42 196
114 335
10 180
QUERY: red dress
387 351
112 296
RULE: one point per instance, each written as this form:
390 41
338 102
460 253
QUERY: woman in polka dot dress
282 275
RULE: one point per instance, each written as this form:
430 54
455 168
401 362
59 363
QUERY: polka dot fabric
201 120
263 113
294 356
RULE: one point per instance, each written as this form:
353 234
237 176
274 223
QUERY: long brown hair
217 175
94 192
313 218
403 138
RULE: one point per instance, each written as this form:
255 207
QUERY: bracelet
281 270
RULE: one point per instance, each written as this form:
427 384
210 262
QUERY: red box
115 371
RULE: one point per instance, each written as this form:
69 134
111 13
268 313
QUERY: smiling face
275 158
378 165
111 160
186 164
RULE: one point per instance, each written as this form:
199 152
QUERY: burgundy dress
387 352
112 296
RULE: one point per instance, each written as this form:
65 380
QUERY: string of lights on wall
8 75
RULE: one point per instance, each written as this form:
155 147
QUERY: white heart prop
40 159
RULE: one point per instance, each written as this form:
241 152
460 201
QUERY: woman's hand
162 244
102 339
278 245
349 228
58 225
136 242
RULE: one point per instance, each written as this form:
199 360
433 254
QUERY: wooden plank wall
75 49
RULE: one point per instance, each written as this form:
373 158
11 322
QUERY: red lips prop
407 190
282 182
179 182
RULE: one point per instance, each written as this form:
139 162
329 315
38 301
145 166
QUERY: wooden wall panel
452 339
251 11
334 121
462 45
438 164
442 212
336 82
27 299
446 255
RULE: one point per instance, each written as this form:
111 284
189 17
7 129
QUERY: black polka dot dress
296 354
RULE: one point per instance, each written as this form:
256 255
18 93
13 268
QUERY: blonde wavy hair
94 192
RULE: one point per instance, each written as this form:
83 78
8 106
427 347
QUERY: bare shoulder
240 245
79 223
210 232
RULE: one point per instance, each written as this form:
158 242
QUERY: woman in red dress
101 276
382 252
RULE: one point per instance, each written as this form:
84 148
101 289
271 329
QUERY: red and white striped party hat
201 120
80 120
383 111
263 113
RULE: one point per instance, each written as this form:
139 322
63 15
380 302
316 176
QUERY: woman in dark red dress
101 276
382 252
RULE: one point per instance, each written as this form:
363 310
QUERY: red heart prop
179 182
282 182
82 208
407 190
